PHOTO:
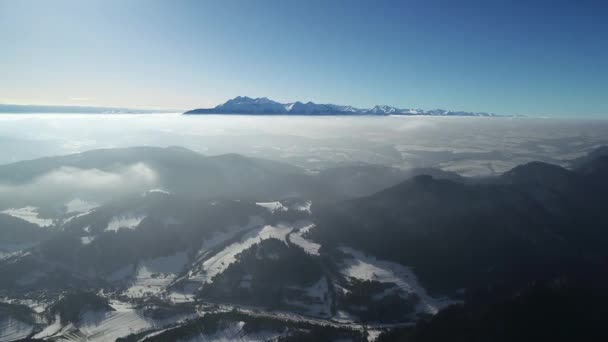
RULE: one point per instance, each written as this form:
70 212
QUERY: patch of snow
278 232
364 267
125 320
128 222
372 335
85 240
79 206
36 305
29 214
298 239
12 329
303 207
184 295
110 325
50 330
344 317
217 263
76 216
107 325
8 249
272 206
155 333
220 237
158 191
154 275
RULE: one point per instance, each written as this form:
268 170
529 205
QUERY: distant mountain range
265 106
50 109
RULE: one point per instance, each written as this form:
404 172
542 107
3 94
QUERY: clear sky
508 57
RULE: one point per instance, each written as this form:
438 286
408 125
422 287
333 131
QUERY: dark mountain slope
548 312
536 221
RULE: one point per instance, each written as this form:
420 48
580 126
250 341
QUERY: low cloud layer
68 182
470 145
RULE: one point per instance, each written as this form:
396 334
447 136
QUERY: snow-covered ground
278 206
76 215
273 206
279 232
51 329
29 214
305 206
220 237
12 329
39 306
344 317
297 238
217 263
11 248
85 240
184 295
157 191
187 294
372 335
363 267
78 205
110 325
106 325
128 222
154 275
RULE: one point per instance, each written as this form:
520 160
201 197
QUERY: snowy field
126 222
272 206
362 267
154 275
217 263
29 214
101 326
12 329
11 248
297 238
78 205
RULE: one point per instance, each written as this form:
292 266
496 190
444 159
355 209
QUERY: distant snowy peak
265 106
384 110
244 104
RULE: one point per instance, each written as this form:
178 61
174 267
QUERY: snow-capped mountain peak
265 106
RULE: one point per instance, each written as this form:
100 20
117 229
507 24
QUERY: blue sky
507 57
